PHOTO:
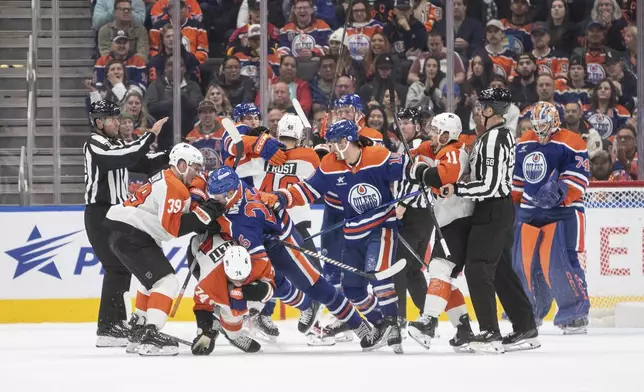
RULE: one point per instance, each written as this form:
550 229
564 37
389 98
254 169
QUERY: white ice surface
61 357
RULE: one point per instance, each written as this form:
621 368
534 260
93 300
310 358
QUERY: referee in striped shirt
107 161
488 266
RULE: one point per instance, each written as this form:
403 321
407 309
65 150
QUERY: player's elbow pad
432 178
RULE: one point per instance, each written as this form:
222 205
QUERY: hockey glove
276 200
204 343
258 291
269 149
552 193
258 131
415 171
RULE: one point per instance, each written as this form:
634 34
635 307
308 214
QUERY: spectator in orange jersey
193 34
595 52
604 113
360 29
502 58
162 9
468 32
575 88
348 64
549 60
305 36
428 14
249 56
239 37
207 134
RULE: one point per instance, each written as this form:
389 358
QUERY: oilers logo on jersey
364 197
302 41
602 124
535 167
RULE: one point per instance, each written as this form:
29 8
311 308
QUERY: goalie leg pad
562 271
526 251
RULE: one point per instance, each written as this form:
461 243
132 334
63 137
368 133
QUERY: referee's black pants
488 267
116 280
416 230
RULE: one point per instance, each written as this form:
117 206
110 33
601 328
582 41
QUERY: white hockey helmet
185 152
237 264
447 122
291 126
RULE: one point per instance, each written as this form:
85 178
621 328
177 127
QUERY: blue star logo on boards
37 253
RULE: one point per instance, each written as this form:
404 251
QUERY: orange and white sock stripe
455 306
160 301
438 294
386 250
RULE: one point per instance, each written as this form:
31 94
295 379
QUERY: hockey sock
160 301
323 292
141 304
455 306
292 296
438 295
269 308
387 297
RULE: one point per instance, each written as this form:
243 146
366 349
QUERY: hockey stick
344 222
388 273
337 65
239 145
176 339
411 250
430 205
305 121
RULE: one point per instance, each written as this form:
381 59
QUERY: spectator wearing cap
350 63
249 15
305 36
406 34
156 66
426 90
549 60
604 113
322 84
595 52
468 32
123 21
207 135
576 88
545 93
573 118
600 166
159 99
502 57
563 32
624 81
518 26
135 66
249 56
382 79
193 34
625 147
438 50
162 10
298 88
105 12
610 16
239 88
524 86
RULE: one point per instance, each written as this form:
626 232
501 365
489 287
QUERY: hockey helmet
448 123
412 114
245 109
499 99
545 120
222 180
185 152
101 109
342 129
291 126
237 264
352 100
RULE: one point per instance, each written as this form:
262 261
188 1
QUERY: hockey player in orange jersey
453 216
159 211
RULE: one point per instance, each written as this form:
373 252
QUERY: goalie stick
239 145
388 273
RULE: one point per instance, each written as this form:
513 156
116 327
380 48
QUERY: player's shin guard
290 295
564 275
439 289
336 302
366 303
152 342
387 297
456 307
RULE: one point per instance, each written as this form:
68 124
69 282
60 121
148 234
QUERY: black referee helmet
101 109
499 99
412 114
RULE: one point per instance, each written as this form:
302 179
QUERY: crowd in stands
580 55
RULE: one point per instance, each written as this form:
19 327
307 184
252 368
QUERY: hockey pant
301 274
375 252
145 259
546 261
441 293
332 243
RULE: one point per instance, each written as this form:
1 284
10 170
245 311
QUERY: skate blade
343 337
420 338
487 348
397 347
463 349
109 341
133 348
575 331
317 341
523 345
150 350
260 335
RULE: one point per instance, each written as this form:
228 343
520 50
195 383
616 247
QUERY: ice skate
308 317
316 337
519 341
394 338
153 343
263 328
339 331
461 341
244 343
136 325
112 335
487 342
576 327
423 330
376 338
403 327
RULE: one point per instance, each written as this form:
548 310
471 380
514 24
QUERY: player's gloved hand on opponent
208 211
257 291
552 193
270 149
204 343
276 200
415 171
258 131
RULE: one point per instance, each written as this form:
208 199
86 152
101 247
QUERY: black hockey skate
263 328
377 338
154 343
136 329
244 343
576 327
308 317
519 341
394 339
339 331
461 341
112 335
423 330
487 342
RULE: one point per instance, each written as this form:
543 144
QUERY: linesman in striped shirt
488 260
107 162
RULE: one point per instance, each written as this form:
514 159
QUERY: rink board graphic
48 271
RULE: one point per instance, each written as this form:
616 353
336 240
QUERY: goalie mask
545 121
